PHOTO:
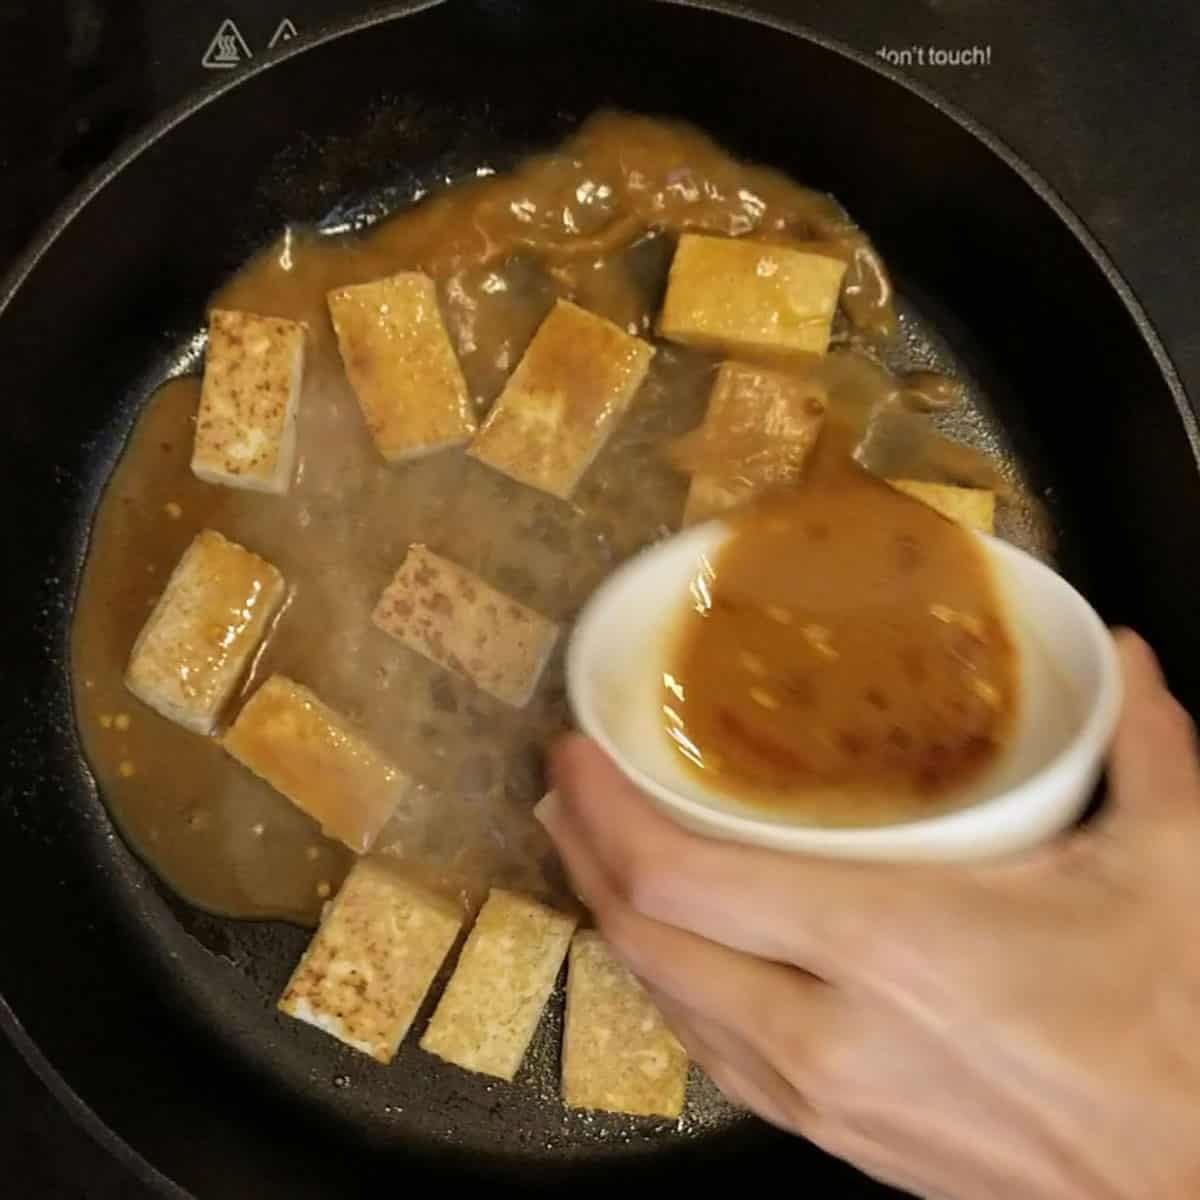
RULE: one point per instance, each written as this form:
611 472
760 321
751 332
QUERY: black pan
153 1023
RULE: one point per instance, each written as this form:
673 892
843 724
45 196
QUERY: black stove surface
1100 97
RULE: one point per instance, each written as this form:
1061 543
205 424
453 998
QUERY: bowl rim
1031 809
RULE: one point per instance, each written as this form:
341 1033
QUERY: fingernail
546 810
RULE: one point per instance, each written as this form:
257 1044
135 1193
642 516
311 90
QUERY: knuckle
821 1069
622 930
1183 726
638 878
1168 723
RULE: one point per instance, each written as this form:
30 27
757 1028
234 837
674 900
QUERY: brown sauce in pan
593 221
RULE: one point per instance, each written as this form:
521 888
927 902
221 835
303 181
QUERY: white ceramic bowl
1070 697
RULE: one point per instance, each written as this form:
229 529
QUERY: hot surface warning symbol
284 33
227 49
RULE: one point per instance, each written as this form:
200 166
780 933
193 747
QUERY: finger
906 1171
821 915
781 1012
1153 766
745 1079
748 1081
741 1075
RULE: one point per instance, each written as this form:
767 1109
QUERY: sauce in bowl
845 660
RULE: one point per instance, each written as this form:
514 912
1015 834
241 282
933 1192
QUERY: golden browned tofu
400 362
735 294
306 751
973 507
759 431
453 618
491 1007
246 423
371 962
571 387
201 634
710 495
618 1055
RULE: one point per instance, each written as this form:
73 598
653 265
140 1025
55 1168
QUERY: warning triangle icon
227 49
284 33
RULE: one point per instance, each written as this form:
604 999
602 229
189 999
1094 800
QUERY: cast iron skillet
155 1024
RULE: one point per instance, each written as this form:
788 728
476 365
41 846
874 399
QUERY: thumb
822 916
1154 769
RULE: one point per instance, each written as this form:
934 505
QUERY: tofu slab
371 962
618 1055
573 384
306 751
736 294
191 654
710 495
401 365
973 507
246 423
760 429
449 615
491 1007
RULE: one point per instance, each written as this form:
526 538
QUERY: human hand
1027 1028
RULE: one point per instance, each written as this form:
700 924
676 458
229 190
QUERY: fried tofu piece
401 365
246 423
366 971
618 1055
310 754
574 382
974 508
191 654
490 1009
710 495
760 429
735 294
454 619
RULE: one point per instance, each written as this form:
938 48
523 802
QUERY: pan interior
228 973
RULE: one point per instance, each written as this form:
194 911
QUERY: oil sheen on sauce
848 661
594 222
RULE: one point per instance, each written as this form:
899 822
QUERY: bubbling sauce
593 221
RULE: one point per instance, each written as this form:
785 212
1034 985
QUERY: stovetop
1101 98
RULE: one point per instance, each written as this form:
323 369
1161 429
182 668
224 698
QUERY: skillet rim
14 279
